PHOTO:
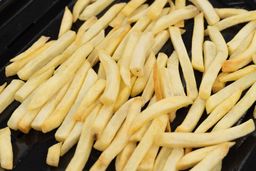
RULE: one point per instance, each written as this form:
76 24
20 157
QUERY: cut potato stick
212 159
174 17
53 155
184 61
238 110
138 13
139 133
119 20
155 9
141 51
254 59
2 87
7 95
96 105
160 39
148 161
31 85
218 166
204 139
159 93
197 43
79 6
212 72
61 110
33 48
210 14
84 145
66 22
210 52
111 91
102 22
132 6
194 114
69 122
165 82
6 152
228 12
43 58
242 84
162 158
101 72
218 85
220 111
178 5
166 105
175 155
98 38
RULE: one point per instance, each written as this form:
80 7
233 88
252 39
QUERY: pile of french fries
125 107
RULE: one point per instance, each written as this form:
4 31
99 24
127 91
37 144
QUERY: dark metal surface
23 21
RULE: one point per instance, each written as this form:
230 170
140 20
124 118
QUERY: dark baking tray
23 21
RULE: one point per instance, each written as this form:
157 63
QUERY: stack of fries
126 105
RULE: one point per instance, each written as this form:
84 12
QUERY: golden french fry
175 155
7 95
184 61
53 155
174 17
212 72
218 85
157 82
197 43
228 12
66 22
132 6
2 87
160 39
161 158
155 9
193 116
219 112
210 52
204 139
138 13
79 6
218 166
242 84
6 152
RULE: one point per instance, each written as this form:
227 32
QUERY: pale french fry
138 13
61 110
48 108
53 155
7 95
79 6
238 110
184 61
162 158
66 22
160 39
204 139
90 97
141 51
159 93
119 20
212 72
175 155
98 38
219 112
193 116
254 59
101 72
94 9
212 159
132 6
197 43
174 17
33 48
31 85
2 87
210 14
155 9
218 166
178 5
43 58
148 161
228 12
141 82
239 37
165 82
210 52
46 90
69 122
102 22
112 79
96 105
84 145
218 85
139 134
166 105
192 158
6 152
242 84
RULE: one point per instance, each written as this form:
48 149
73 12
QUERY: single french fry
6 152
174 17
210 14
220 111
204 139
53 155
101 72
160 39
155 9
43 58
69 122
184 61
162 158
242 84
66 22
238 110
175 155
210 52
193 116
79 6
132 6
218 85
2 87
138 13
178 5
166 83
102 22
7 95
197 43
159 93
212 72
228 12
98 38
112 79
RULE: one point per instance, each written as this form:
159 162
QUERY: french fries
66 22
155 9
178 5
173 158
228 12
2 87
79 6
53 155
132 6
162 158
210 52
6 153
